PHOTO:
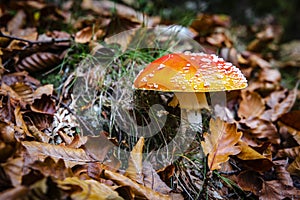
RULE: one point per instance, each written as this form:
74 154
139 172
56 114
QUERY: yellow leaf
90 189
220 143
138 189
252 158
294 167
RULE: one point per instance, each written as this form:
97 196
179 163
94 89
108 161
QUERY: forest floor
67 107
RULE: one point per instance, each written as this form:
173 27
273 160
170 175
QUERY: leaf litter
254 142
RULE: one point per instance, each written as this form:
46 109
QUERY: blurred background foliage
246 12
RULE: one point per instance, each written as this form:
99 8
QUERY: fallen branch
31 43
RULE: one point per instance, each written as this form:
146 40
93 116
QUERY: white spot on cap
150 75
144 79
161 66
206 84
220 76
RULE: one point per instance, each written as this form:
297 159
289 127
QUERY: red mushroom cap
190 72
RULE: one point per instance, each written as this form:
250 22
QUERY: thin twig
31 43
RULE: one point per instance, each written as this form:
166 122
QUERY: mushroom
189 76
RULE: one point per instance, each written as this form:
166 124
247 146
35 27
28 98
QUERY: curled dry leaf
39 120
87 189
24 93
38 62
39 151
38 135
45 105
252 159
220 143
7 142
252 105
138 189
282 106
45 89
20 122
256 61
261 130
270 75
84 35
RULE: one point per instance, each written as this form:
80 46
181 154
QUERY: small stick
52 41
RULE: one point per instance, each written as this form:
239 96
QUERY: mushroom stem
191 105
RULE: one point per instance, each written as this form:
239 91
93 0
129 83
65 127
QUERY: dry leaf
84 35
294 167
38 135
166 173
16 23
291 121
152 179
252 159
282 174
98 146
49 167
261 129
252 105
282 107
38 62
250 181
220 143
45 105
24 93
39 151
14 169
15 193
45 89
87 189
288 152
135 162
138 189
20 121
275 190
270 75
206 23
39 120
